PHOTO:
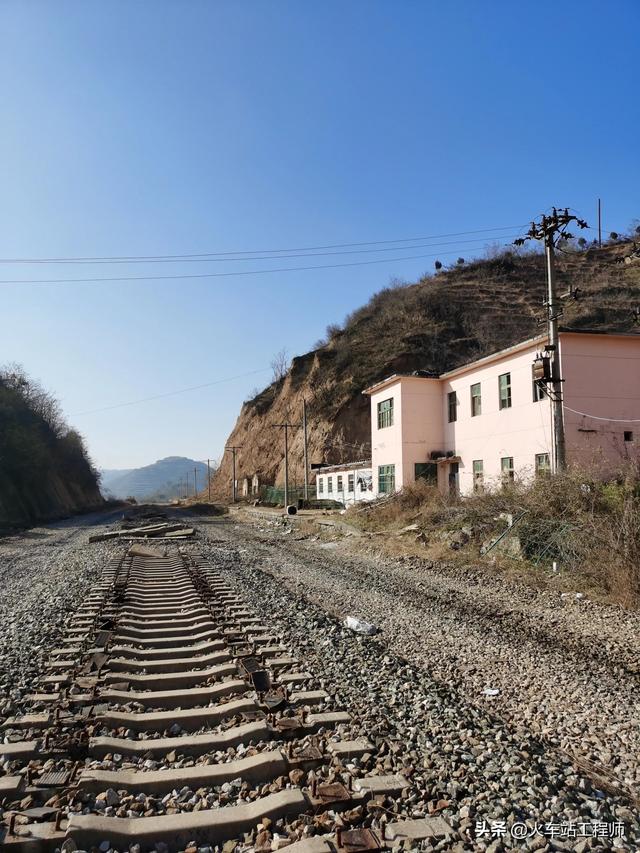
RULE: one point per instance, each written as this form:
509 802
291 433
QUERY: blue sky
155 128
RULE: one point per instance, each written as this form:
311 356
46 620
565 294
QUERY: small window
350 483
476 400
543 465
330 485
478 475
363 484
385 413
453 406
386 479
426 471
628 435
506 467
504 385
320 485
537 387
339 486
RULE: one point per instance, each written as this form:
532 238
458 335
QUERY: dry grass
589 528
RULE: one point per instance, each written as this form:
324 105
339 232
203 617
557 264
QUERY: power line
610 420
125 258
171 393
273 257
227 274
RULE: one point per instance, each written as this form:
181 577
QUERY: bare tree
41 402
280 365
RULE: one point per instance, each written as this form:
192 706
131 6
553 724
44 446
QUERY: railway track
172 717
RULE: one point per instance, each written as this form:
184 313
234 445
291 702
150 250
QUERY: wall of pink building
422 426
386 444
602 378
520 432
416 430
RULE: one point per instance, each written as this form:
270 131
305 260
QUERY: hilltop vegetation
435 324
45 470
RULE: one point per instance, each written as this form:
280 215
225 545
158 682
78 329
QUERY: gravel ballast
45 573
445 639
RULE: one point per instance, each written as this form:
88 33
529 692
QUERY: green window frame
542 463
427 471
476 399
385 413
350 483
478 475
386 479
507 470
538 391
452 406
504 391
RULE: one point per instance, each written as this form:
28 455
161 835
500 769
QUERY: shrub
591 527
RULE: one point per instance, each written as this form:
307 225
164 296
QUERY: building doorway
454 479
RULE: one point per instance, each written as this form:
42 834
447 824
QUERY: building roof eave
397 377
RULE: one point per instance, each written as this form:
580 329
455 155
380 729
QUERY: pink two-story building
487 421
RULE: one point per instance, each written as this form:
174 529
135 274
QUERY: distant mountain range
163 480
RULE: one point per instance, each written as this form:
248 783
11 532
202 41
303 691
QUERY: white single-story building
346 483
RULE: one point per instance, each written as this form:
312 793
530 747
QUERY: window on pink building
385 413
504 386
538 387
386 479
478 475
452 401
476 400
543 465
506 467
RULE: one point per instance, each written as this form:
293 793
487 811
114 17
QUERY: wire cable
609 420
251 251
279 257
224 274
171 393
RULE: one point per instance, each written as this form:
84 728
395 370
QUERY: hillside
435 324
45 471
163 480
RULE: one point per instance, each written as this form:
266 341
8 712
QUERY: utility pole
599 223
306 459
550 230
286 426
233 451
209 477
195 481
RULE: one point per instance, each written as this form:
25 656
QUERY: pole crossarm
553 226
